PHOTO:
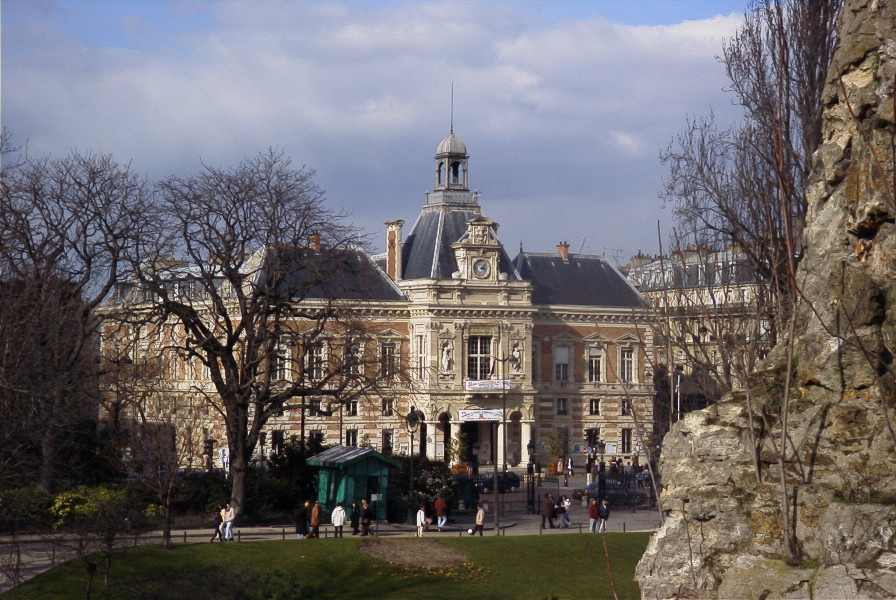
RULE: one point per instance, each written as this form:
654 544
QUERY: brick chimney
393 249
563 251
314 241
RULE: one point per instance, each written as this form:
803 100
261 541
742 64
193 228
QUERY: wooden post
238 536
185 536
283 534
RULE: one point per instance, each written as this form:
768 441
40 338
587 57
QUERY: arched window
455 172
439 173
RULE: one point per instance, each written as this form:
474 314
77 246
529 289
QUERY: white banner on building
610 448
486 385
480 414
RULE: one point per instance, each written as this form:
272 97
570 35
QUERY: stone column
455 439
499 440
431 433
525 436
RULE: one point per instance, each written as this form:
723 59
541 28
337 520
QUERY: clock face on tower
481 268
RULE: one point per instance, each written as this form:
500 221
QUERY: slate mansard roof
582 280
345 274
427 252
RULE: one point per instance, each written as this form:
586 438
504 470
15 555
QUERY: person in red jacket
593 515
441 508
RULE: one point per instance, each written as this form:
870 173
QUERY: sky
564 106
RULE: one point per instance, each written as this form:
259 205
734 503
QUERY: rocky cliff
723 535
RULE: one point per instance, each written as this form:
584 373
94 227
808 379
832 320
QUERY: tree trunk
239 466
48 459
166 533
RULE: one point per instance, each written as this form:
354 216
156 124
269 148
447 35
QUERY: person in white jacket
337 518
421 521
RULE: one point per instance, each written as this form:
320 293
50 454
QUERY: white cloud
577 109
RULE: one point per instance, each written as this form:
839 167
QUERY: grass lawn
518 567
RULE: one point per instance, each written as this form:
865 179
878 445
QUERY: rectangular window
314 362
625 407
592 435
594 364
280 362
561 363
625 441
351 437
317 437
562 409
387 407
354 356
479 357
387 441
387 360
627 370
594 407
277 441
419 356
351 408
314 408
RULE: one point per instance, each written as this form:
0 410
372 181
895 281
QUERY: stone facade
465 318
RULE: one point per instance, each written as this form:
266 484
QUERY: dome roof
451 144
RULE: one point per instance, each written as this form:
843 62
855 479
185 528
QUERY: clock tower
478 252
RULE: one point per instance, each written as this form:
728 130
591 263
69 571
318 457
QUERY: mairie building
546 350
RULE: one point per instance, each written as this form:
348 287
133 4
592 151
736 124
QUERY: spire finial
452 108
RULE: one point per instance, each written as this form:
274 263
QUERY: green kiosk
346 474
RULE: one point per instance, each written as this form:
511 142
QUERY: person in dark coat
217 535
302 521
366 518
355 517
547 511
604 514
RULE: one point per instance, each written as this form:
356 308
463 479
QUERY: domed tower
451 158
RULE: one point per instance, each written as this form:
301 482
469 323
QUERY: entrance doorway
469 451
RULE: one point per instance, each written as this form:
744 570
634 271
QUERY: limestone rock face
723 533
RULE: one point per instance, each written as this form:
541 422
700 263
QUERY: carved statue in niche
516 357
446 356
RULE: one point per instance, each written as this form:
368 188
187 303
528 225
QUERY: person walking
547 511
355 517
227 517
441 508
480 518
302 520
559 466
366 518
564 505
593 515
315 520
421 521
604 513
337 518
216 534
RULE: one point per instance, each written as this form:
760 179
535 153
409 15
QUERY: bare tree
64 228
249 278
746 184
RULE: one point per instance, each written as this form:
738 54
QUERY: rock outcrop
723 536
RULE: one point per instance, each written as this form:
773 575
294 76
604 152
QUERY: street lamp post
413 422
